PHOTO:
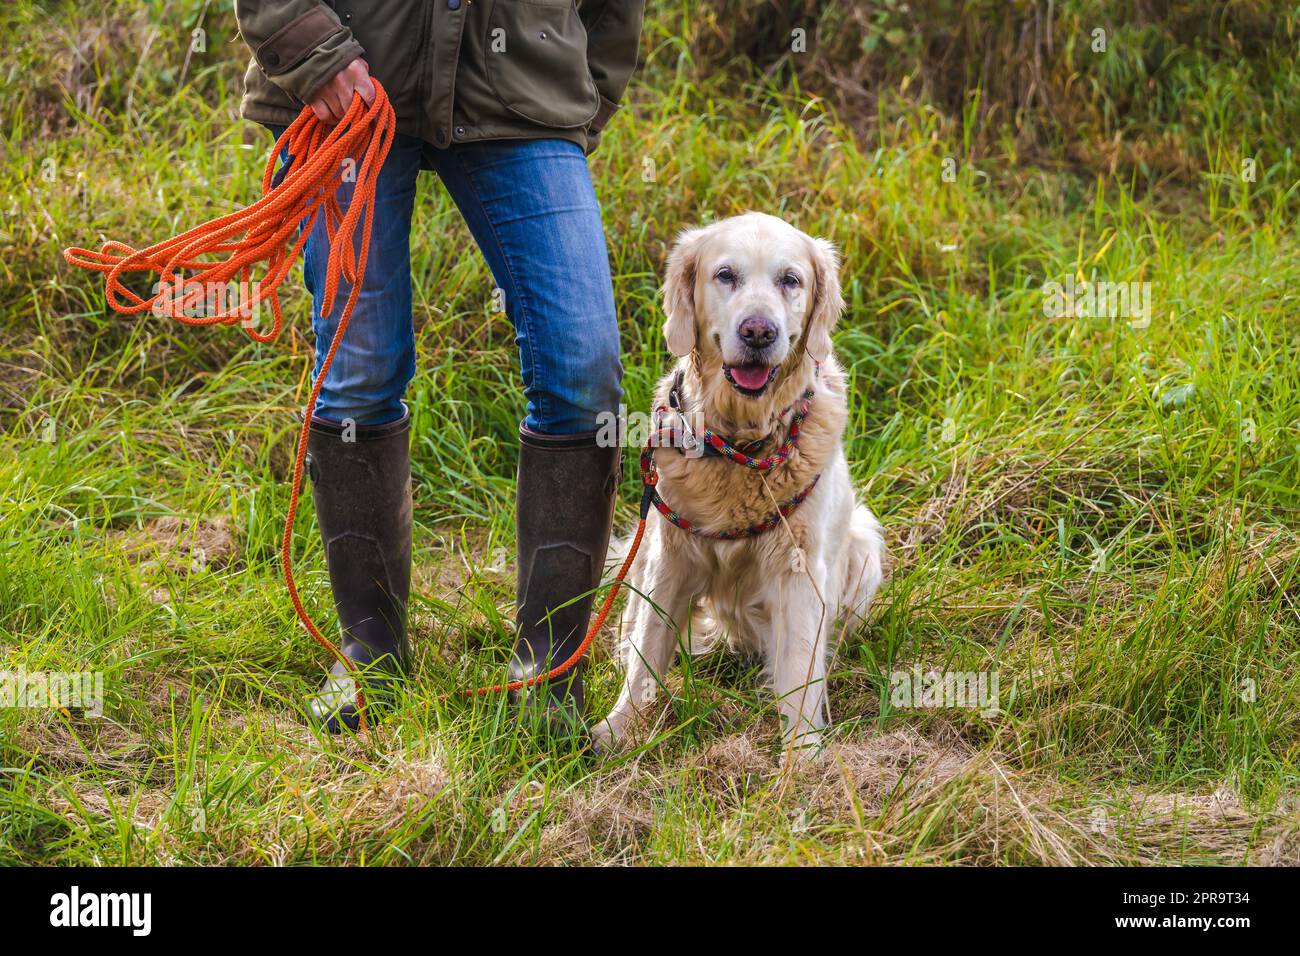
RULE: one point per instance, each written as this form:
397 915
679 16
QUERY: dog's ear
679 293
828 302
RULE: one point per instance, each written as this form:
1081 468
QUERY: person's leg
358 446
533 212
376 360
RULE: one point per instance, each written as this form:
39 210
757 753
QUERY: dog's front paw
614 733
804 752
604 739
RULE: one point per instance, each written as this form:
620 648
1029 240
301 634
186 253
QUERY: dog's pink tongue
749 376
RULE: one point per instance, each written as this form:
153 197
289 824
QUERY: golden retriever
750 303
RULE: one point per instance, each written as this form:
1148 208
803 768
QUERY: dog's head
746 293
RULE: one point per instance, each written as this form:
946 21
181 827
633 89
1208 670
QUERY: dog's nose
758 333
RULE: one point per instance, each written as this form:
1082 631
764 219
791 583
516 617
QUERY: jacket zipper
426 63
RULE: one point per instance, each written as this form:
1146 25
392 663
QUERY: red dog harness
717 446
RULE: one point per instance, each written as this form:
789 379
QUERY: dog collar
717 446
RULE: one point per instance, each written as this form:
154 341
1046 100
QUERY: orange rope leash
572 660
322 158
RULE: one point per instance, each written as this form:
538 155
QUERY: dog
750 303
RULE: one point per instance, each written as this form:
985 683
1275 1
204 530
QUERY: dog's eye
790 281
725 275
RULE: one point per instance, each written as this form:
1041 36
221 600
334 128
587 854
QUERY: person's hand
332 102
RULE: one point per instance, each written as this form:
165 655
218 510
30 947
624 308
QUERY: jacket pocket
536 54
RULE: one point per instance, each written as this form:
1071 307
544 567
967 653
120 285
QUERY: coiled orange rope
273 231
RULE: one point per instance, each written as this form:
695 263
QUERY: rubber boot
564 509
361 487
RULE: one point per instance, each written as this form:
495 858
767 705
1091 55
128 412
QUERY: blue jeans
532 211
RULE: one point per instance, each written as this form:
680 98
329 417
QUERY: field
1099 509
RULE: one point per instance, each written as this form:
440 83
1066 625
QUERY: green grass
1105 515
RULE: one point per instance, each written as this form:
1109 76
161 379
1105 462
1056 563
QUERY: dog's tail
867 564
705 634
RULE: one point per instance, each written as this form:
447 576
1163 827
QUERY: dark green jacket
455 70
